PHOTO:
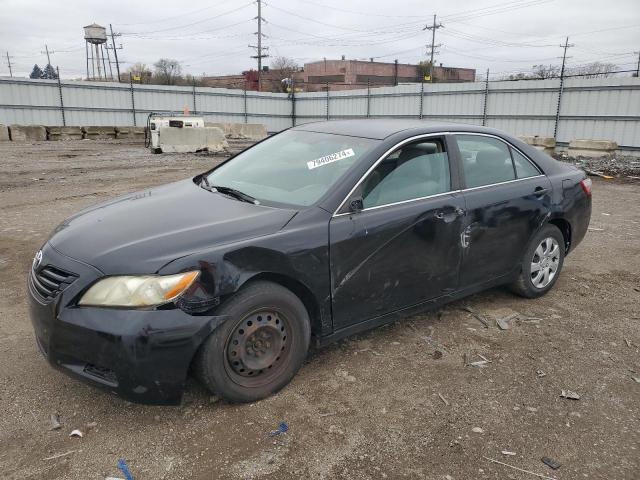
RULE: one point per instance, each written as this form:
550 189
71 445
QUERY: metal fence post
195 107
486 98
421 98
368 97
327 105
293 103
560 90
133 100
64 120
244 96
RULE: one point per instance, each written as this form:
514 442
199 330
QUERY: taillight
586 186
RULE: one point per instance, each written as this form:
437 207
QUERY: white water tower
95 37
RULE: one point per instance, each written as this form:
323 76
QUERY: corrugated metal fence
602 108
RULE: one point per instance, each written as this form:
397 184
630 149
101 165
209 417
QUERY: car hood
142 231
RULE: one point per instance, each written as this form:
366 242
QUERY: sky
213 37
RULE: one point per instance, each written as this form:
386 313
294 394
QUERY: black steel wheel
260 348
256 351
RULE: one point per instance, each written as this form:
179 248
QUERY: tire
546 252
259 349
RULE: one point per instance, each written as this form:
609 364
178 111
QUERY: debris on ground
539 475
476 315
477 430
124 468
55 422
570 395
636 379
282 428
328 414
444 400
60 455
550 462
503 324
541 373
92 425
76 433
605 166
507 452
335 430
437 355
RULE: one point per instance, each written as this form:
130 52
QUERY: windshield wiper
204 183
234 193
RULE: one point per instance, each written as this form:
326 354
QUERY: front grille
49 281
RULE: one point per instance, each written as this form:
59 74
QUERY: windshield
294 167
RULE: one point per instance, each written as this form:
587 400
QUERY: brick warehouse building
344 75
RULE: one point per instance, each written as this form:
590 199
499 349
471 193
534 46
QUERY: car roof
380 129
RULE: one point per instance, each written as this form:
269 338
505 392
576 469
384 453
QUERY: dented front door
385 259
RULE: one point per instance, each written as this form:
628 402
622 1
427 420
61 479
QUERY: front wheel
541 263
260 348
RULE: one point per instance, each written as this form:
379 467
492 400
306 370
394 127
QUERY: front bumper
141 355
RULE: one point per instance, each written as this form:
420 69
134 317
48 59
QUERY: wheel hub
545 262
257 344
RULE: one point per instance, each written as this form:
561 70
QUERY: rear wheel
260 348
541 263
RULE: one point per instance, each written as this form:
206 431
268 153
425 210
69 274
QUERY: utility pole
47 52
638 67
259 48
564 61
433 45
115 50
9 63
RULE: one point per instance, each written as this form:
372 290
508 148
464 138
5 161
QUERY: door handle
458 212
540 191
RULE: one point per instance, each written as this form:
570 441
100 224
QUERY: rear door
507 198
403 247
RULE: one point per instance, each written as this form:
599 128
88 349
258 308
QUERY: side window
485 160
413 171
524 168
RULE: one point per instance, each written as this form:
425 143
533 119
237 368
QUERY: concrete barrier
592 148
251 131
27 133
4 133
99 132
545 144
132 133
184 140
64 133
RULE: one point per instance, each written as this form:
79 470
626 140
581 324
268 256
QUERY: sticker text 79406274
333 157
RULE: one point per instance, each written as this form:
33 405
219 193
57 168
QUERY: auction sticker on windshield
334 157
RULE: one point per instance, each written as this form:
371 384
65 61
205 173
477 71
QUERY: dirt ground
378 405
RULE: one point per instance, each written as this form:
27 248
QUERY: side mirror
356 205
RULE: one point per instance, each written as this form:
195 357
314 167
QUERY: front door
506 199
403 247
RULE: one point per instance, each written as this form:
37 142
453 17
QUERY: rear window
485 160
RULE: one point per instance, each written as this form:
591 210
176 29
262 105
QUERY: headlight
138 291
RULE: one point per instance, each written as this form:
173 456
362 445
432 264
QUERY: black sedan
321 231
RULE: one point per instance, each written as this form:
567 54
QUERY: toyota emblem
37 259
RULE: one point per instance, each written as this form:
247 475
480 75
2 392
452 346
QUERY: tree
283 68
167 71
36 72
594 69
140 70
49 72
545 71
424 69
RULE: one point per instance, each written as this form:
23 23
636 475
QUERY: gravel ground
623 167
378 405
